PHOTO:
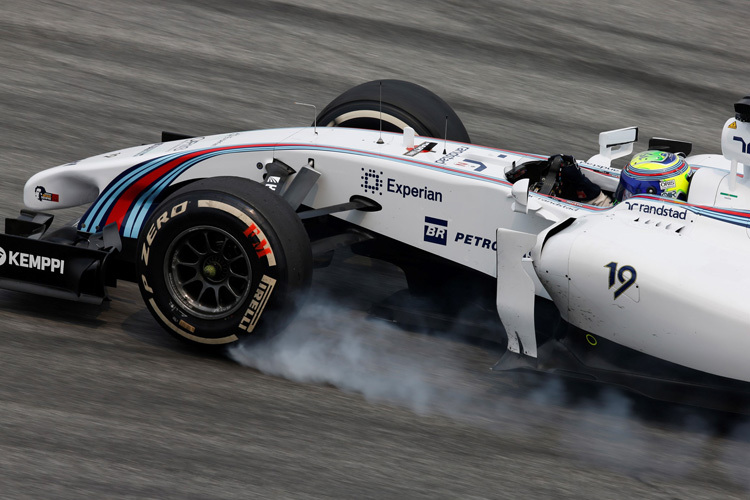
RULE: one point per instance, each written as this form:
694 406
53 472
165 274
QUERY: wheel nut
209 271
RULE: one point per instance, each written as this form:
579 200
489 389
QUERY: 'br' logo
435 230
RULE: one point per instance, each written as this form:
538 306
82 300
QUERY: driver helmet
655 172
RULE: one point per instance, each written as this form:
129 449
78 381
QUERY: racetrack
101 403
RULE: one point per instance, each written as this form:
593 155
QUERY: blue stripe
134 220
115 189
143 203
138 212
142 207
738 220
101 208
105 199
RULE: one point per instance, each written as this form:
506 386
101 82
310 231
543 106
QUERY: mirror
520 192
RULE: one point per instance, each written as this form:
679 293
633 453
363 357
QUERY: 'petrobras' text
477 241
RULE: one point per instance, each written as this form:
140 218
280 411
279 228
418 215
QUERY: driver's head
654 172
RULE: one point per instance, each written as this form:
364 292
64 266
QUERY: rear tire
403 104
223 259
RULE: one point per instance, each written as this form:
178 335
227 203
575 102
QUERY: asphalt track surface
101 403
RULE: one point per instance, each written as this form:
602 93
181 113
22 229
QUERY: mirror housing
614 144
520 193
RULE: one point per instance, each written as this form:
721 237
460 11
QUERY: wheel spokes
208 272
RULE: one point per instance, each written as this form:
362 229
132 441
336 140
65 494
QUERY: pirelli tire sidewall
272 237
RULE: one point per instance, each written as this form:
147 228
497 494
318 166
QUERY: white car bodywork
684 265
658 276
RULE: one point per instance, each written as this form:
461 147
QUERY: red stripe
120 209
127 198
642 173
728 212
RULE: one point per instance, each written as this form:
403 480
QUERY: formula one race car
222 233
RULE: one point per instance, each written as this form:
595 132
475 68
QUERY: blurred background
100 403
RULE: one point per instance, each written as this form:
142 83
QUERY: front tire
221 260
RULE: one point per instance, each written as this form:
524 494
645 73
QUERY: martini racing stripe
736 217
142 183
111 193
129 198
139 211
739 218
114 189
125 201
133 197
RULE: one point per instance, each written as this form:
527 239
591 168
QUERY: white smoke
443 374
332 345
342 347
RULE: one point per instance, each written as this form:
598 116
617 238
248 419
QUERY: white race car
222 233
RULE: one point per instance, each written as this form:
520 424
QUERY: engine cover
651 275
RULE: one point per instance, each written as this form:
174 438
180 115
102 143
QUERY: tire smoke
362 356
449 377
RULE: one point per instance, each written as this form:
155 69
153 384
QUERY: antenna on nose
315 116
445 144
380 117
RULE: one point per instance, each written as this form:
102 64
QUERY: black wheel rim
207 272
